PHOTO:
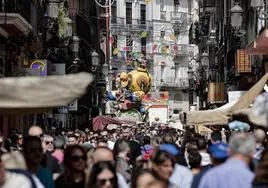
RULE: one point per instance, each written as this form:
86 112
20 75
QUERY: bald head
103 154
35 131
259 135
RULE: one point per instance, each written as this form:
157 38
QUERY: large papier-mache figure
131 88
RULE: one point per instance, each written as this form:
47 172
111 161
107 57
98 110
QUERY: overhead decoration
115 52
172 37
144 34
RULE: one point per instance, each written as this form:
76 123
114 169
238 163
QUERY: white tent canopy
31 94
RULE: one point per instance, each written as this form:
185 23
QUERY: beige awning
35 94
221 117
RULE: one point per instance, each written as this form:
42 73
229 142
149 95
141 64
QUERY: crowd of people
141 156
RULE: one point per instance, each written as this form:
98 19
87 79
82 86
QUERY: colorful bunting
144 34
173 37
115 52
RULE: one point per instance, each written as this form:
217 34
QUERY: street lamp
105 69
212 38
53 8
95 59
205 60
191 93
76 43
69 27
236 16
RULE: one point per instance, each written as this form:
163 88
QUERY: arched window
177 98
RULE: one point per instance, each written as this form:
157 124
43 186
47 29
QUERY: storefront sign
38 67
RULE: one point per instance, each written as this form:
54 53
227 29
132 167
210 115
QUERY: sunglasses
103 181
79 158
47 142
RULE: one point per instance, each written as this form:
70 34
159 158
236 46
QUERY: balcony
180 18
119 26
15 16
182 83
172 49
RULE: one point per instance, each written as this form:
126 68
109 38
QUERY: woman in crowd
163 164
261 178
121 152
103 175
144 178
75 163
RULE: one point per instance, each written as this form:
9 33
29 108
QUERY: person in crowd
259 136
219 153
50 161
216 136
146 148
75 163
17 177
101 142
72 139
59 149
202 148
105 154
163 162
182 175
235 171
103 175
121 152
49 143
194 159
261 178
35 131
33 153
145 178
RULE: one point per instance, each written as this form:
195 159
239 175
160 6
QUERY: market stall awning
260 45
222 116
36 94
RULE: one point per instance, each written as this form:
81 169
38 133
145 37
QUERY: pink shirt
58 155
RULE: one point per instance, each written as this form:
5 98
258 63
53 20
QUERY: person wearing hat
219 153
235 171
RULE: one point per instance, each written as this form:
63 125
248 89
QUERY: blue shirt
233 173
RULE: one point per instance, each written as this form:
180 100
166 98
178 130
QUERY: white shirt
16 180
181 177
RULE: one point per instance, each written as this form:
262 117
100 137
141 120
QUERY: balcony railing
179 18
21 7
174 82
119 26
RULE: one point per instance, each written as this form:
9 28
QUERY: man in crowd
105 154
48 160
235 171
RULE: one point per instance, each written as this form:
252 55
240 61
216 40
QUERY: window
128 13
114 13
143 45
129 44
143 14
177 98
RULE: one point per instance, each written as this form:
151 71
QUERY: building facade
160 31
224 32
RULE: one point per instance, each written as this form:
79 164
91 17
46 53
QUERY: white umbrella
32 94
